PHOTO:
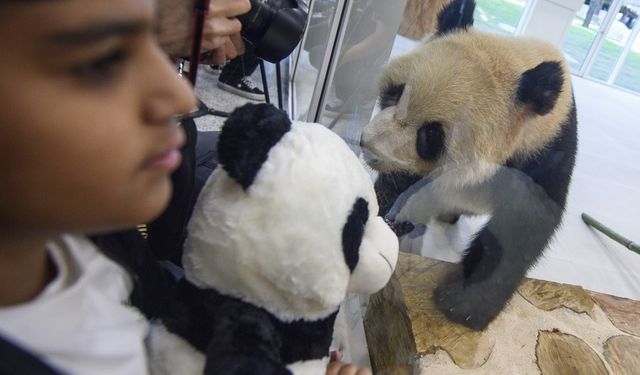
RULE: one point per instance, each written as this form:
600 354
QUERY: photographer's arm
221 33
367 47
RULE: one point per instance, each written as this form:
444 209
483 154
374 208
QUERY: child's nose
173 95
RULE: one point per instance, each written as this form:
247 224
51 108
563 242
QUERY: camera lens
273 32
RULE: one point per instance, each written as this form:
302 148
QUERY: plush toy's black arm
152 282
244 342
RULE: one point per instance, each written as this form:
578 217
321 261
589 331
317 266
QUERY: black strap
17 361
167 233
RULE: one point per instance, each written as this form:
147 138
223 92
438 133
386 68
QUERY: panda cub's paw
465 305
400 228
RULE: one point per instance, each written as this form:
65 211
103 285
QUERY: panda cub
475 123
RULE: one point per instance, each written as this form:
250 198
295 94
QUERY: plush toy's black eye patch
430 141
246 138
391 96
541 86
458 15
353 232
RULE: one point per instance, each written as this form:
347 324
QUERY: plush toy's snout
378 257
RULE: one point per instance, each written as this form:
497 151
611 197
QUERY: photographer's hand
221 33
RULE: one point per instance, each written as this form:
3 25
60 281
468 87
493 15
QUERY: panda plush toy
284 228
475 123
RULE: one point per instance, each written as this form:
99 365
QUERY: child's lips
168 159
167 162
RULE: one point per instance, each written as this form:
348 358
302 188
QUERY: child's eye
102 69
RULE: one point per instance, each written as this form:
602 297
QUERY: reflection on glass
366 44
611 50
498 16
582 34
457 180
629 76
315 46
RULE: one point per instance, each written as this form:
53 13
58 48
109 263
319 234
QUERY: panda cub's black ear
391 95
246 138
540 87
457 15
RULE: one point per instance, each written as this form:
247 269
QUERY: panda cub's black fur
476 123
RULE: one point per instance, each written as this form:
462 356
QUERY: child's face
87 141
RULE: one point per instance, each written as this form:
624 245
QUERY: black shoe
338 108
245 87
216 69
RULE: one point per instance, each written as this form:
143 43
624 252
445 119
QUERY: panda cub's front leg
523 221
477 294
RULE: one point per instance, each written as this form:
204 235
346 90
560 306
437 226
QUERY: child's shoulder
82 313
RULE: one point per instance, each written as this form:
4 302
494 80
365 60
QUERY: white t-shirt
81 322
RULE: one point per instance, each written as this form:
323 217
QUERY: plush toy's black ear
246 138
539 87
458 15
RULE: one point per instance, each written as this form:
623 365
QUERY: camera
274 28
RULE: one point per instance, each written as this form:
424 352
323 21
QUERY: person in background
235 76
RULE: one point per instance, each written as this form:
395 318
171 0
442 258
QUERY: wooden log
547 328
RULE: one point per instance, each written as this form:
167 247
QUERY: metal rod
279 85
200 14
600 37
622 59
633 246
265 84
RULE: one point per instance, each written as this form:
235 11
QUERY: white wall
550 19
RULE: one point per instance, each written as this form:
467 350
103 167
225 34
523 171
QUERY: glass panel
611 49
583 31
315 46
366 44
498 16
453 194
629 76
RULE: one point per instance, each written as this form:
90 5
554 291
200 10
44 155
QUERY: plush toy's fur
491 121
280 233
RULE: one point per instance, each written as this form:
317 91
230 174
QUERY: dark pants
242 66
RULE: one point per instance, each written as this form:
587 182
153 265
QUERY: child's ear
246 138
456 16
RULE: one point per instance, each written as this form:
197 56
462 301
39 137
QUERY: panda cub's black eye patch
430 141
391 95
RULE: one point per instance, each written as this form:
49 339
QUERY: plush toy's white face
297 234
